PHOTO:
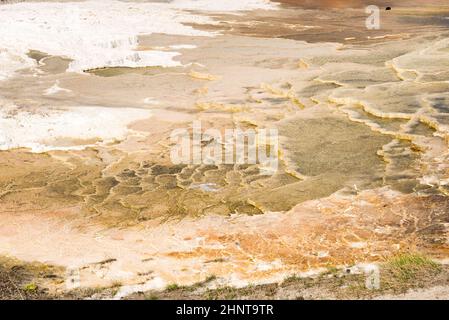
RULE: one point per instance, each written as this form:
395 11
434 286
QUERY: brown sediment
336 21
20 281
359 3
429 282
366 228
334 231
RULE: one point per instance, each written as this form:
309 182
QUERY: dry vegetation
398 275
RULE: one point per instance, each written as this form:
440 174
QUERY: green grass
407 267
226 293
31 287
408 270
331 270
291 279
172 287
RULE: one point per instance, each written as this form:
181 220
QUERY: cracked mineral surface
86 178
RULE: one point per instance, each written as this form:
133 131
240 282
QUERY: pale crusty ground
87 212
237 250
435 293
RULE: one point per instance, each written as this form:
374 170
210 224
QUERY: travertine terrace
89 98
